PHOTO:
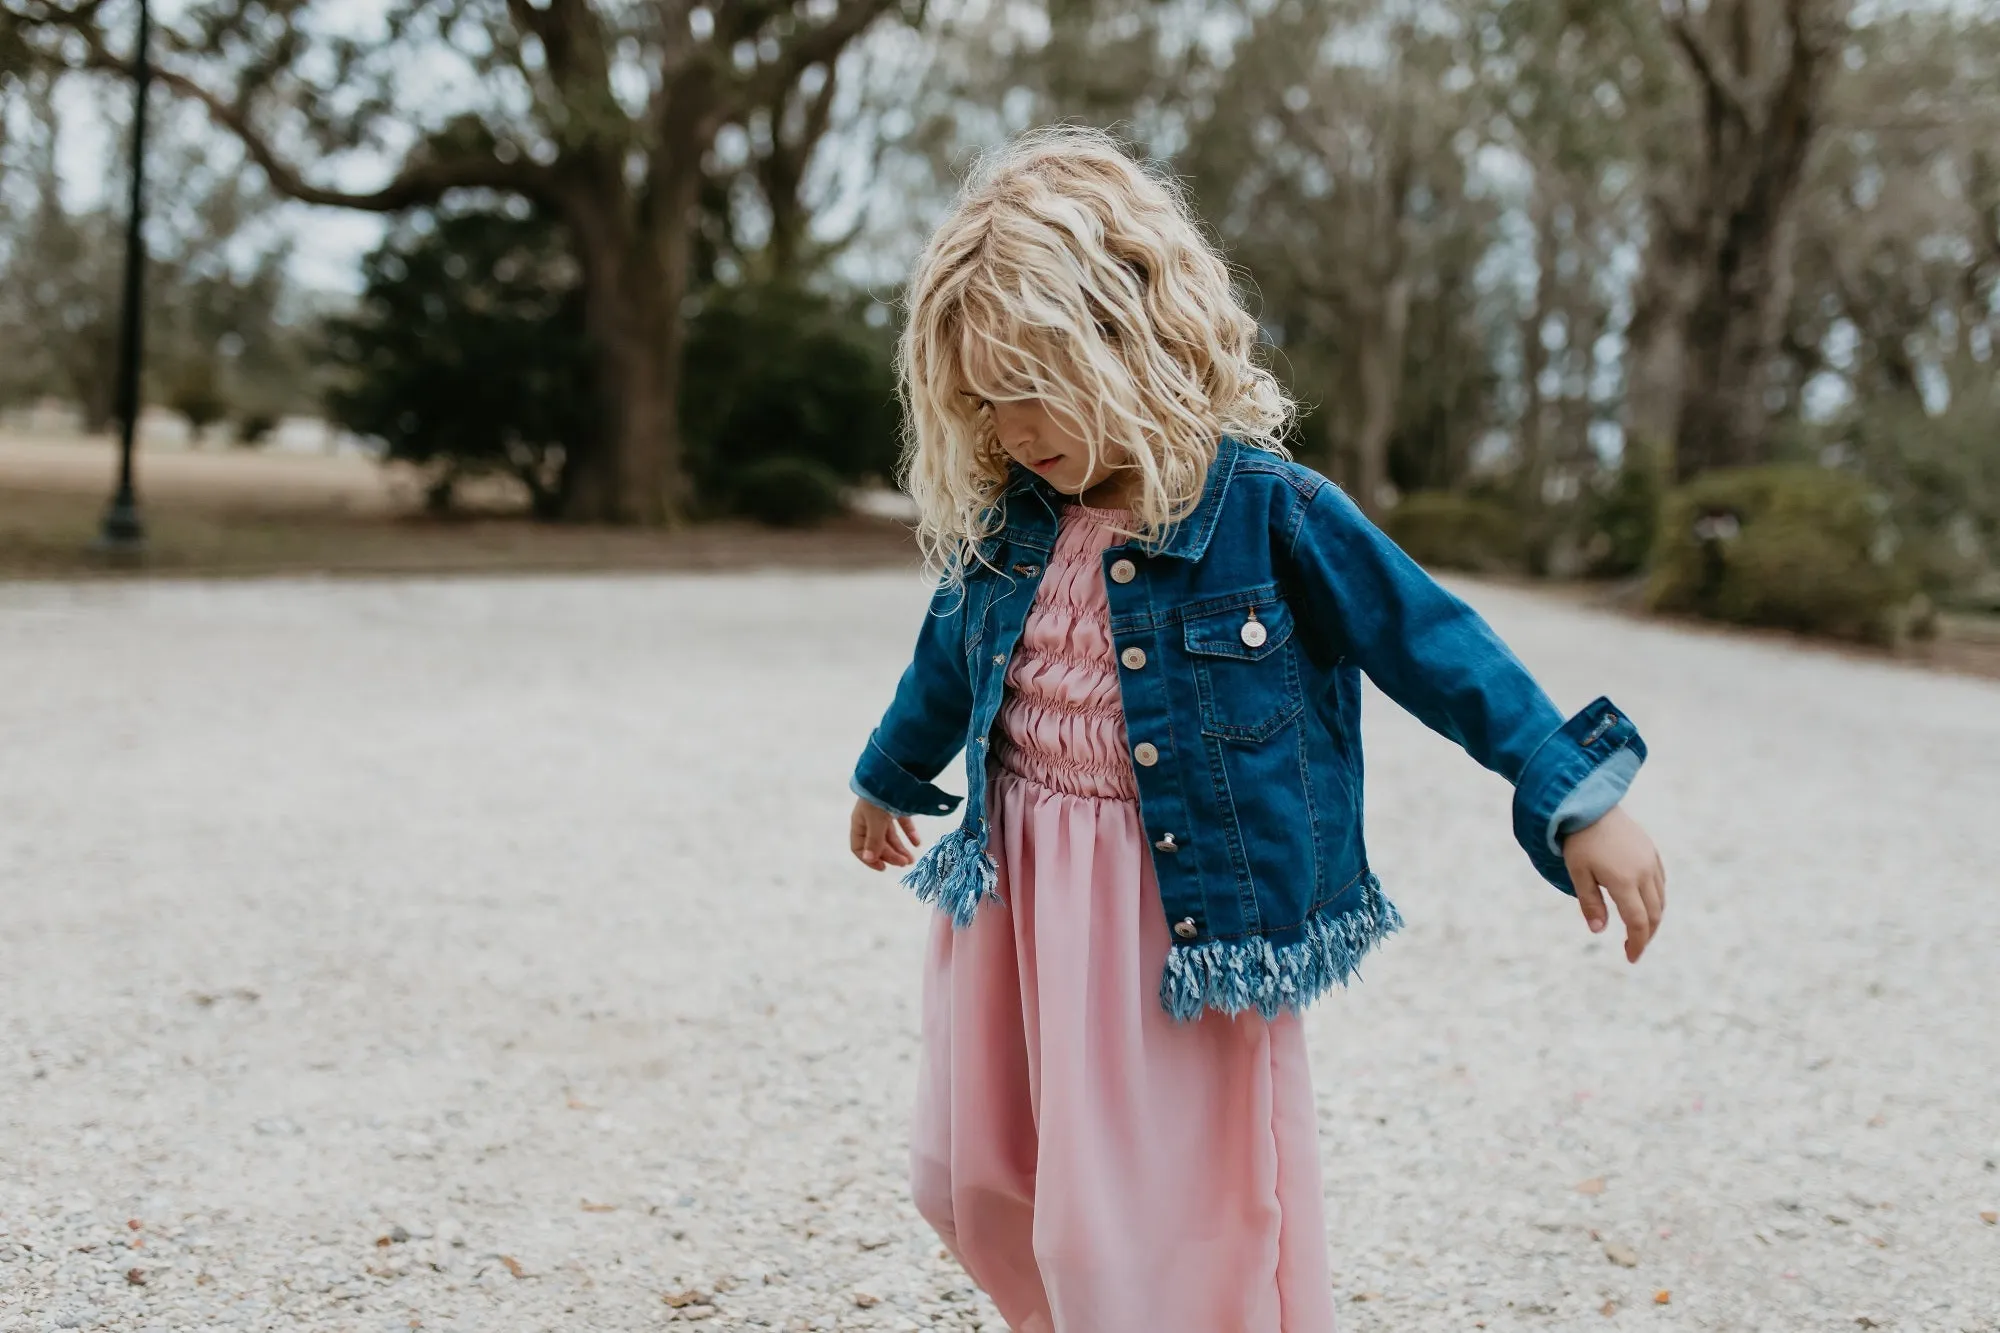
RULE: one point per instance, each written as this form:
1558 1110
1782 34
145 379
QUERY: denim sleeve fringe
1252 973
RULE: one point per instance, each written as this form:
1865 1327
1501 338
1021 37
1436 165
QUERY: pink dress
1095 1166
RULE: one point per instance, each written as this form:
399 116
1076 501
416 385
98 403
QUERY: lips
1045 464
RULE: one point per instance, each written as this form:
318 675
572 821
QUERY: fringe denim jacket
1241 640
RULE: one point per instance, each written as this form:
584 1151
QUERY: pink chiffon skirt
1095 1166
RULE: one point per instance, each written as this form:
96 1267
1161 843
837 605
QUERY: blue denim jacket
1246 742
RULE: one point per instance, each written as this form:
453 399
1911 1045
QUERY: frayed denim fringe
956 875
1251 973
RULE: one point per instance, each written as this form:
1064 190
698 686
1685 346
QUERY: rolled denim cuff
879 779
1572 780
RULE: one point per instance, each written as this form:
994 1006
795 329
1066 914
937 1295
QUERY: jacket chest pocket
1245 671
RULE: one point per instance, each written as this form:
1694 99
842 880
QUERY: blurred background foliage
1557 282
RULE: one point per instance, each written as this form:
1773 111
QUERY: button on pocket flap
1247 632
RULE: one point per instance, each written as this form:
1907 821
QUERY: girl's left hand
1616 853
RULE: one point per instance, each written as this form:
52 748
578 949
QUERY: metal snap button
1133 658
1167 843
1146 753
1123 571
998 658
1253 631
1186 928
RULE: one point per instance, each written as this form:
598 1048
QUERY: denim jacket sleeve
925 725
1435 656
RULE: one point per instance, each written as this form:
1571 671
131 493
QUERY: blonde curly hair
1067 273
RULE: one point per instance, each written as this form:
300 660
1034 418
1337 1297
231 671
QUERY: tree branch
1720 81
422 179
813 46
571 40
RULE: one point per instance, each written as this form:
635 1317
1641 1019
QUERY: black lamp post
123 533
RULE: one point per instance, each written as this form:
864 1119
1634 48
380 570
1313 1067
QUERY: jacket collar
1031 506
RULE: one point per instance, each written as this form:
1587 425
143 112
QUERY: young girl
1147 637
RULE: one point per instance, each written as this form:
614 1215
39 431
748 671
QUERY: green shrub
775 372
1941 474
1624 520
467 354
787 492
1448 530
254 428
1792 546
195 392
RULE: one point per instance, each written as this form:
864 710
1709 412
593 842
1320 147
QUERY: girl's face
1041 441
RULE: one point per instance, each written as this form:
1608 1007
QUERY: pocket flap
1221 634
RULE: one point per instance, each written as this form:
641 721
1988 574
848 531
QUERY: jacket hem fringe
1231 976
955 876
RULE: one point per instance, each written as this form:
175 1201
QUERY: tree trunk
1732 333
1763 76
1379 372
635 279
619 480
1657 363
1534 361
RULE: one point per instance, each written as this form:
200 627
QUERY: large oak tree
599 111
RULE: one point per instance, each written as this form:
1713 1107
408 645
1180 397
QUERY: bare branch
424 177
569 33
1720 81
812 46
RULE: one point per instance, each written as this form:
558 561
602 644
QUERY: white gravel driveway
486 955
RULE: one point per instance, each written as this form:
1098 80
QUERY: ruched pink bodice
1060 721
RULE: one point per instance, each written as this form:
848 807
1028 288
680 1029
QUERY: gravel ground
486 955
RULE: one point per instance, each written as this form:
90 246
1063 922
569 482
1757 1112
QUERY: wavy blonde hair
1067 273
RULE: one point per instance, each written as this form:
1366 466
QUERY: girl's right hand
879 839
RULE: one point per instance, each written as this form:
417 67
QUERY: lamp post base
122 535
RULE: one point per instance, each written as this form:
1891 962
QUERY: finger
1587 896
897 852
910 830
1656 907
1632 910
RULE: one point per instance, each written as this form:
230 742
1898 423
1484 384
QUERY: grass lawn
241 513
238 513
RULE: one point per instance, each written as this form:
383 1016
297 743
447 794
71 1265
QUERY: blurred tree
601 113
1722 257
467 354
1891 350
1573 94
1897 289
218 338
778 372
1335 162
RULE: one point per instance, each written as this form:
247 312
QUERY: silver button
1123 571
1133 658
1186 928
998 658
1167 843
1146 754
1253 632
